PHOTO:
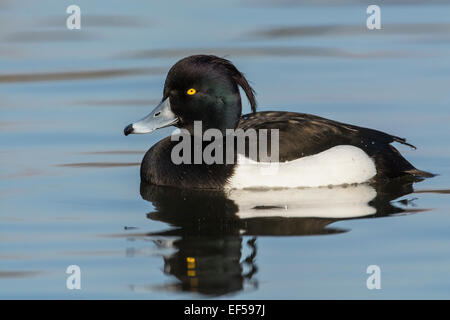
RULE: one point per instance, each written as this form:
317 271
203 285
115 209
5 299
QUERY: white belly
339 165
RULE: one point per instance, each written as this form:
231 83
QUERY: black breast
158 168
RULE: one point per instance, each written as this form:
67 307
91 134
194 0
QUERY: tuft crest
235 74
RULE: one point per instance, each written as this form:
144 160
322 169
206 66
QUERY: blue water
69 178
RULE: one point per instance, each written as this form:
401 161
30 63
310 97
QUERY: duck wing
302 135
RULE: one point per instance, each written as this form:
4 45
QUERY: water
69 185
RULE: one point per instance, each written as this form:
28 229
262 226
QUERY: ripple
283 3
49 36
115 152
264 51
99 164
124 102
19 274
28 172
75 75
95 20
306 31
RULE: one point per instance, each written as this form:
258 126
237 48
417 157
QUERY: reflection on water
208 227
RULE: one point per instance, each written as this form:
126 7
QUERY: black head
199 88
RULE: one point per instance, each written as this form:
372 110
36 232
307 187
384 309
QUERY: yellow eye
191 91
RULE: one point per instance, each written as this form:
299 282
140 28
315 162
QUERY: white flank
335 202
339 165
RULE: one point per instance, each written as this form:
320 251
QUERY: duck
311 151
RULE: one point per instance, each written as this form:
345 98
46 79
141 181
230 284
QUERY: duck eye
191 91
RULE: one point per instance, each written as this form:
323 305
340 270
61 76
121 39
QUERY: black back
302 135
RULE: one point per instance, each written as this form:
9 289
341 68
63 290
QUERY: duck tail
403 141
420 173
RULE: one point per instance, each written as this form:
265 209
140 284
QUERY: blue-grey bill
162 116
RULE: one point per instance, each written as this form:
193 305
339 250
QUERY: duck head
198 88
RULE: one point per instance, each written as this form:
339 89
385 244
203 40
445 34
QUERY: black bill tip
128 129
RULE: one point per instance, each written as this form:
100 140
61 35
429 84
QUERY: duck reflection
216 231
